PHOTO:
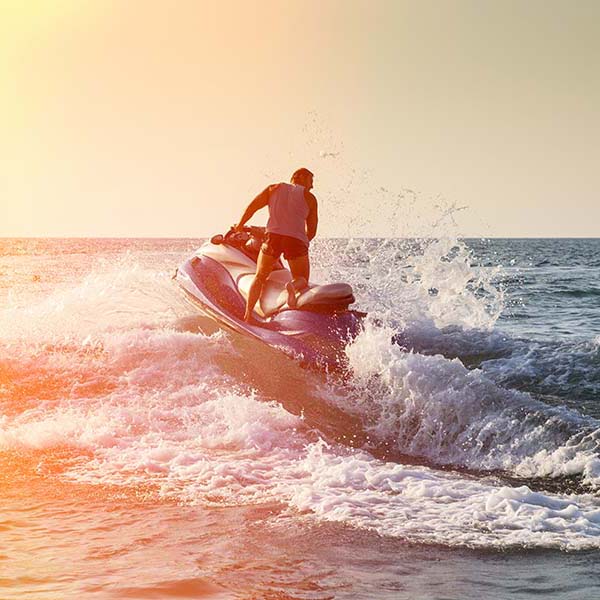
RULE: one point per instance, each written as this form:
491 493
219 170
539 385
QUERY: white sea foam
420 504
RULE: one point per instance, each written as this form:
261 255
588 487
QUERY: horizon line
415 237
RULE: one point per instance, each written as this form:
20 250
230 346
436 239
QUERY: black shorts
291 247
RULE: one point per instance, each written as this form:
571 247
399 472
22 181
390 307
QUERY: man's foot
291 291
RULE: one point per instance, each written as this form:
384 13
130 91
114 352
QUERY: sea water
145 453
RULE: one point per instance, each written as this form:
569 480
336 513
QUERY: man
291 226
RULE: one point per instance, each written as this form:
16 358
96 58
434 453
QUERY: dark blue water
551 317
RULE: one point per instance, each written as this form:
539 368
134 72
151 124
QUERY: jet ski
217 279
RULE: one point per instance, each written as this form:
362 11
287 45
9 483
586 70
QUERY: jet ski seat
325 298
334 296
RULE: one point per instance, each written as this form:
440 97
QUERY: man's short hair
299 173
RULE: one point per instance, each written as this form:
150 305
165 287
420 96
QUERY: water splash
415 284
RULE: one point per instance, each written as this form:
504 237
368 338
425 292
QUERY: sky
152 118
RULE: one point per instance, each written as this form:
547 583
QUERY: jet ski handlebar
253 230
237 237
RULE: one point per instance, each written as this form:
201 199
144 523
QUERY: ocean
145 453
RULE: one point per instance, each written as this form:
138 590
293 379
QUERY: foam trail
422 505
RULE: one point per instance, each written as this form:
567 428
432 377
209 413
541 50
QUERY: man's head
303 177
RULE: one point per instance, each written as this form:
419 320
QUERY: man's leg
300 268
264 266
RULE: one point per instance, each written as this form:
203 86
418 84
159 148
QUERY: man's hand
259 202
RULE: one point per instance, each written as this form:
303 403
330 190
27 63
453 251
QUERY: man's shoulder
271 188
280 185
310 197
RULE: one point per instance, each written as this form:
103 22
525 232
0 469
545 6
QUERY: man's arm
259 202
312 220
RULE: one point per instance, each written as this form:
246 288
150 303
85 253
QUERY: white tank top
288 211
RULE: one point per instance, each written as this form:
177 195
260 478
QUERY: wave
432 407
557 371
